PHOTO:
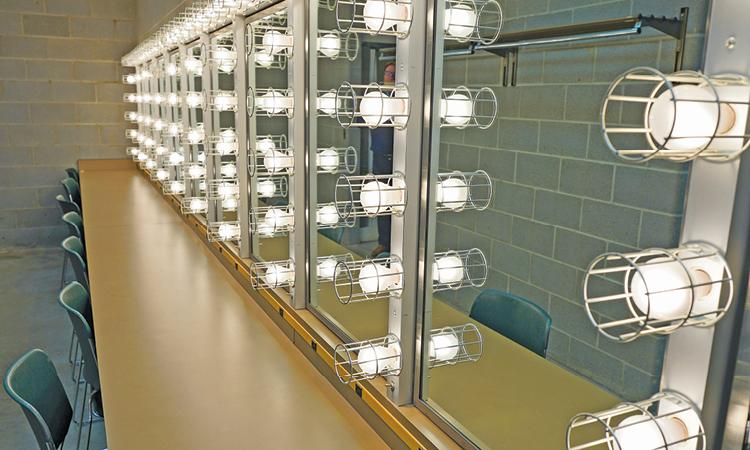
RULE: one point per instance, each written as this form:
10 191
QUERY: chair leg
76 362
65 265
83 408
77 381
91 419
70 347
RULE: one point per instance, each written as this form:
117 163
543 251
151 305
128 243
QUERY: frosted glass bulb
174 129
276 275
131 116
375 197
198 205
327 268
140 137
146 98
274 102
328 215
264 59
452 193
132 98
275 42
176 158
227 144
226 190
266 188
460 20
374 360
265 145
381 15
695 117
229 170
372 108
173 99
160 150
327 103
225 59
193 65
375 278
150 164
444 347
194 100
456 109
162 174
277 218
276 161
448 269
177 187
195 171
149 142
158 125
195 135
229 204
142 157
158 99
130 79
641 432
329 44
225 101
147 120
139 118
131 133
328 160
228 231
201 157
171 69
662 287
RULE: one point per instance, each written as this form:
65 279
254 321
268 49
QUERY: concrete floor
31 318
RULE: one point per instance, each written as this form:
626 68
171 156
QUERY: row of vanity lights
646 115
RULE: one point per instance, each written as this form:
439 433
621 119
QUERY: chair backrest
74 248
74 298
75 225
73 173
66 205
514 317
73 190
334 234
33 383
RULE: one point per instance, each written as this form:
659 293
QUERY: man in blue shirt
381 146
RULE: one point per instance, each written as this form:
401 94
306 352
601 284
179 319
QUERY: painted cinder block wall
561 198
60 100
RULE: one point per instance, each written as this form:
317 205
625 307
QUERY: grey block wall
561 198
60 100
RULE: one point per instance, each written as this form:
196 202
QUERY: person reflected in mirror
381 146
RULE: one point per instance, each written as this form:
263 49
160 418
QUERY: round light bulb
264 59
276 161
460 20
176 158
266 188
177 187
276 275
642 432
662 287
327 268
380 15
193 65
374 360
328 160
327 103
227 144
150 164
225 101
132 98
171 69
372 108
275 41
194 100
173 129
173 99
142 157
274 102
195 171
195 136
452 193
695 117
159 125
158 99
229 204
229 170
327 215
456 109
160 150
198 205
228 231
448 269
140 137
225 59
277 218
375 278
162 174
329 45
444 347
130 79
265 145
376 197
227 190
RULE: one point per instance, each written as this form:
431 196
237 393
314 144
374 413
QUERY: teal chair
73 247
73 173
33 383
516 318
73 190
74 221
75 299
66 205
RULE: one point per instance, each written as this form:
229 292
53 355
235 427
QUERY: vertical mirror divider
251 129
191 188
311 169
240 117
405 239
207 84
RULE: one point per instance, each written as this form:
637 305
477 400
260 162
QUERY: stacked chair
33 381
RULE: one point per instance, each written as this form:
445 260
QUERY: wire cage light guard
372 105
279 161
477 21
174 187
222 55
456 269
194 171
327 216
453 345
223 188
195 99
175 159
270 102
228 170
368 279
273 274
273 187
223 143
162 174
326 266
462 107
657 291
333 44
271 221
194 135
679 117
370 195
221 100
173 129
268 142
223 231
375 17
667 420
263 57
337 160
366 360
194 205
459 191
327 103
330 5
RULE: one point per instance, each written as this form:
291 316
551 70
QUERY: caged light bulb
177 187
130 79
328 160
375 278
274 102
444 347
196 171
148 120
228 231
176 158
460 20
225 59
277 274
227 190
198 205
225 101
173 99
195 135
642 432
150 164
377 196
229 170
160 150
382 15
158 99
142 157
690 120
327 268
202 157
277 218
373 360
149 142
274 42
265 145
328 103
162 174
456 109
452 193
329 45
173 129
372 108
327 215
194 100
448 269
193 65
159 124
264 59
277 160
140 138
266 188
172 69
229 204
227 144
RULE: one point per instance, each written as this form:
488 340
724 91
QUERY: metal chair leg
75 398
91 419
65 265
83 408
70 346
76 362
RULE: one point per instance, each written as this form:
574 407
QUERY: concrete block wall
60 100
561 198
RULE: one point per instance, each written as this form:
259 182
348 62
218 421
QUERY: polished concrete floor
31 318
